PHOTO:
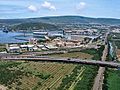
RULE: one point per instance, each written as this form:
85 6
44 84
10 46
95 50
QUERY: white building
40 34
14 49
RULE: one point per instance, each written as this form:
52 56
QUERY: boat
5 30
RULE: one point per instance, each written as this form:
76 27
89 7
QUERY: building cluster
56 43
48 33
53 40
61 43
88 32
66 34
116 30
15 48
78 34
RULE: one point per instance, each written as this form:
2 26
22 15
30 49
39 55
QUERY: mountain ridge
64 20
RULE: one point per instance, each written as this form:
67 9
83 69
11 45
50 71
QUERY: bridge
66 60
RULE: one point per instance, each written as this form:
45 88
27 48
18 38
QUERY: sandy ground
2 87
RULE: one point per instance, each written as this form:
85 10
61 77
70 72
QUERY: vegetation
86 81
65 20
33 75
97 53
115 35
2 47
42 76
114 38
74 55
8 75
50 76
67 81
34 26
86 78
117 43
111 76
112 80
94 54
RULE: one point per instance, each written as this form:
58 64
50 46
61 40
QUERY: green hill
64 20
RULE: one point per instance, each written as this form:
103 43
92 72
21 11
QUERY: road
98 82
66 60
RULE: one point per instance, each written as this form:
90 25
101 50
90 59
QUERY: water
18 37
13 37
111 49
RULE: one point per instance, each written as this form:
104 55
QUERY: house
14 49
33 41
40 34
30 47
24 48
50 46
40 46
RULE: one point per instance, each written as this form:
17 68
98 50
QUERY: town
59 45
69 39
67 46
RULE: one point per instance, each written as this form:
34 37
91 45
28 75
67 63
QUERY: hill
34 26
64 20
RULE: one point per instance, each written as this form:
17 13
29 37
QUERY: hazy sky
40 8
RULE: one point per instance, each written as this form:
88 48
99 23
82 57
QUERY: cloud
48 5
81 5
32 8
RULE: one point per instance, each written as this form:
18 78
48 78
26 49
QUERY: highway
66 60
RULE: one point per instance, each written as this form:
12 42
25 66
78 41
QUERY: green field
112 81
49 75
33 75
82 78
2 47
94 54
115 39
46 76
115 35
74 55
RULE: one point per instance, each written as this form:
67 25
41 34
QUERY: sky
10 9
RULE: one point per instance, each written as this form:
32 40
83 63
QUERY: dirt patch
3 87
118 54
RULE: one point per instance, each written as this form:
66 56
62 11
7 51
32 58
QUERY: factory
47 33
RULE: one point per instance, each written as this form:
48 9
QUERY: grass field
33 75
112 76
2 47
113 80
74 55
48 76
115 35
94 54
82 77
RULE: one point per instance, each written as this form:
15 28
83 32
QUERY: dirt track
100 76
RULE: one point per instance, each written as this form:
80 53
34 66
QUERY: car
68 59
